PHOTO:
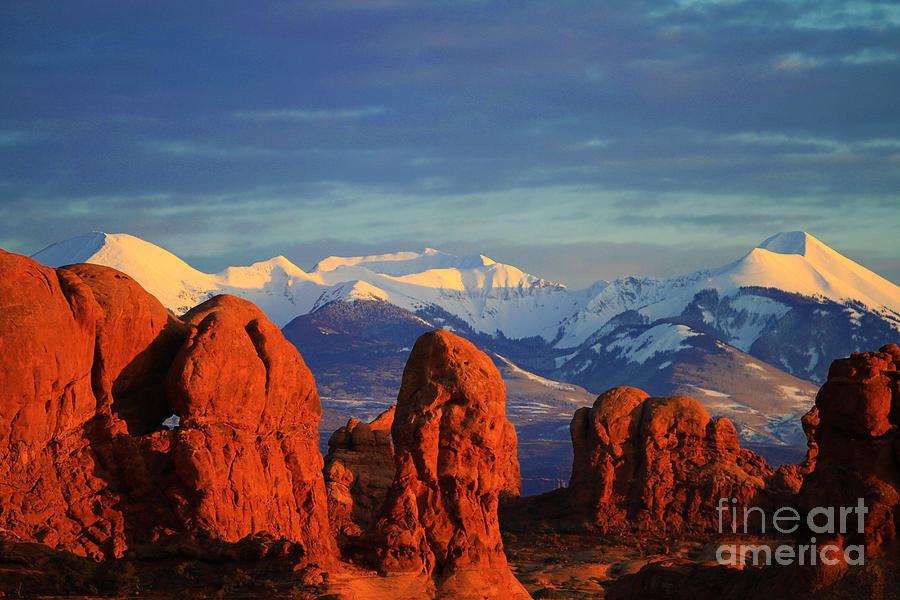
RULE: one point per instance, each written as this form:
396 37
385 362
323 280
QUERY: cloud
311 115
597 143
206 150
372 122
797 61
832 15
787 143
776 139
16 138
800 15
871 55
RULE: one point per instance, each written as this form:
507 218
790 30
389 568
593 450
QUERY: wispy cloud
800 15
793 141
311 115
871 55
797 61
779 138
15 138
832 15
205 150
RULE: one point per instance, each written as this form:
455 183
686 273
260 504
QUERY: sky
576 140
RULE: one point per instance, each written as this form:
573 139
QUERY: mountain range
751 339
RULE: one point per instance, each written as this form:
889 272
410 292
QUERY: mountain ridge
773 263
741 302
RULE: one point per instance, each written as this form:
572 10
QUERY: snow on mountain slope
793 262
493 298
490 296
666 358
799 263
175 283
662 338
506 364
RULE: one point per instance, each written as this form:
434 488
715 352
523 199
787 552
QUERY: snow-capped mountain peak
174 282
77 249
491 297
798 262
790 242
259 274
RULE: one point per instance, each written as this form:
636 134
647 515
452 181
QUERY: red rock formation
854 455
359 470
658 464
245 451
384 421
791 477
452 453
137 338
83 385
49 491
856 447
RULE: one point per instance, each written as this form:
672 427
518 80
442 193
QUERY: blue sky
577 140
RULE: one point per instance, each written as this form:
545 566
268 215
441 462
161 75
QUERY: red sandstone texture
93 364
250 463
855 445
854 453
359 471
657 464
135 342
454 452
49 491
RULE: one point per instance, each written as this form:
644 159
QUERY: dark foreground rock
359 470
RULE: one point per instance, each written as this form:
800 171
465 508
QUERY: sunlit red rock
245 454
853 458
93 364
657 464
858 446
63 357
137 338
451 452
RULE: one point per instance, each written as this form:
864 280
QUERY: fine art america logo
821 520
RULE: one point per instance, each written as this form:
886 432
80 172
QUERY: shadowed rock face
93 364
359 470
659 464
454 452
136 341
